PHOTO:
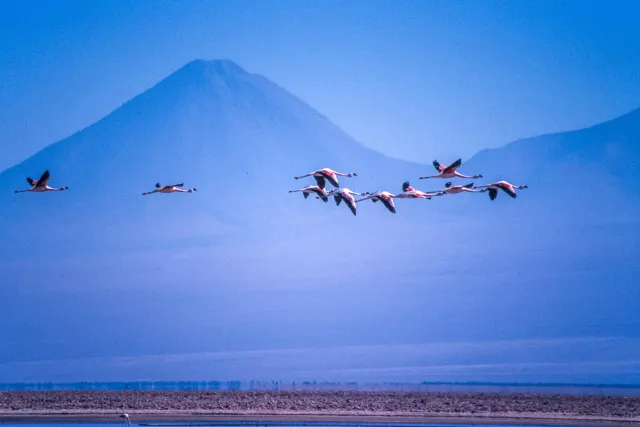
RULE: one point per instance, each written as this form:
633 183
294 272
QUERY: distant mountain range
244 264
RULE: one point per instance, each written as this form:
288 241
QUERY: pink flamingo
384 196
326 174
450 171
40 186
505 186
321 192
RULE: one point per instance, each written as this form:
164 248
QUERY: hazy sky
414 79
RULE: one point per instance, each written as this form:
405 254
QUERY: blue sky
413 79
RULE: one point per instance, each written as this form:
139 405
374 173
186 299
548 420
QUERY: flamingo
321 192
455 189
408 192
347 195
126 417
40 186
450 171
505 186
170 189
326 174
385 197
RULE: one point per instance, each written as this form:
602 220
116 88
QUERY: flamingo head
478 176
522 187
352 174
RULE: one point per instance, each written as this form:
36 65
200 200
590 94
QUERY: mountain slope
593 169
235 136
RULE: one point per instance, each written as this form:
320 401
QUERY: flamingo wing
338 199
43 179
508 189
438 166
453 166
388 203
320 180
406 187
31 181
305 194
493 193
177 185
321 194
469 185
349 201
331 178
158 185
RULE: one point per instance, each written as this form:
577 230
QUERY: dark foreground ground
328 406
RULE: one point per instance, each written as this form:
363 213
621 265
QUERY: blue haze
243 281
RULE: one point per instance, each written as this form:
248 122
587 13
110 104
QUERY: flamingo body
326 174
383 196
455 189
505 186
306 191
40 186
175 188
346 195
451 171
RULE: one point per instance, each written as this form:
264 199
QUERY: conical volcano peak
214 70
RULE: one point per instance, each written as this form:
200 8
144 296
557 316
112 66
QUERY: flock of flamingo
343 194
41 186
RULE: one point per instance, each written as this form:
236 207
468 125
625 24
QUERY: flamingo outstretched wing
177 185
321 181
438 166
453 166
388 204
493 193
43 179
332 179
31 181
508 189
352 206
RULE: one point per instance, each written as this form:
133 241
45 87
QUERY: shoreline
175 418
282 407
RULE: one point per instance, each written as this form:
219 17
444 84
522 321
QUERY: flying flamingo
384 196
408 192
321 192
346 195
170 189
126 417
40 186
508 188
450 171
455 189
326 174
